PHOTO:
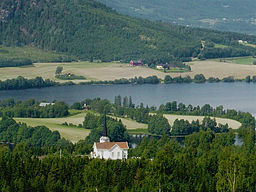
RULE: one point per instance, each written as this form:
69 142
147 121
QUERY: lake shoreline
239 95
198 79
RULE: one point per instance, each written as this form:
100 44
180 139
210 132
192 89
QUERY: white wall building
110 150
45 104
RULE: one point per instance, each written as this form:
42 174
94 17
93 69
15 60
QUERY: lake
239 96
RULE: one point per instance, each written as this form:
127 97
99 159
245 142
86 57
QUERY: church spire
104 132
104 137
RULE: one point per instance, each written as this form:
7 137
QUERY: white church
109 150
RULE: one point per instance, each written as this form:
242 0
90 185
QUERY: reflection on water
238 140
239 96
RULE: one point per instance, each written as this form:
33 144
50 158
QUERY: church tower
104 137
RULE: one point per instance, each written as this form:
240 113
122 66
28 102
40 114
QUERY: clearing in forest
231 123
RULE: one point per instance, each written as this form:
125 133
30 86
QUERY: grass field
238 60
237 67
231 123
213 68
74 134
131 124
220 46
33 53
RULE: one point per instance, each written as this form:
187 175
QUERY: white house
109 150
45 104
159 67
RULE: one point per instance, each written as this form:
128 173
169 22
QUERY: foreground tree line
208 162
39 82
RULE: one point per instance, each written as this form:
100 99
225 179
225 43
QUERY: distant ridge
224 15
90 30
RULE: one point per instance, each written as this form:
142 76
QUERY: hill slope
88 29
225 15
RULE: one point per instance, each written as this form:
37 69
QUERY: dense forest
206 162
90 30
31 108
224 15
37 159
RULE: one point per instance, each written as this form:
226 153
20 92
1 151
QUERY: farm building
165 66
45 104
109 150
136 63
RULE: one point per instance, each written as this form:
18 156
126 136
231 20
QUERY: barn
136 63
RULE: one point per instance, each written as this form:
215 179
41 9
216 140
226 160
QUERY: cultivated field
112 71
218 69
92 71
131 124
231 123
73 134
238 60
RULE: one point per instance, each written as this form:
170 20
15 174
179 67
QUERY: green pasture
73 133
238 60
220 46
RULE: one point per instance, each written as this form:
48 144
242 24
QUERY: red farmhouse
136 63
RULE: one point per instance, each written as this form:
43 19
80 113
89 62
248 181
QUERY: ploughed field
236 67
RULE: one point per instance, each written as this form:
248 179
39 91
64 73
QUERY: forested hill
90 30
225 15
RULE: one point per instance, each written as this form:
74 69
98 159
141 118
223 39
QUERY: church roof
109 145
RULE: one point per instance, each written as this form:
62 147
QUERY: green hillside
225 15
90 30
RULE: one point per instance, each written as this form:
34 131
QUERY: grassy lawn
33 53
231 123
